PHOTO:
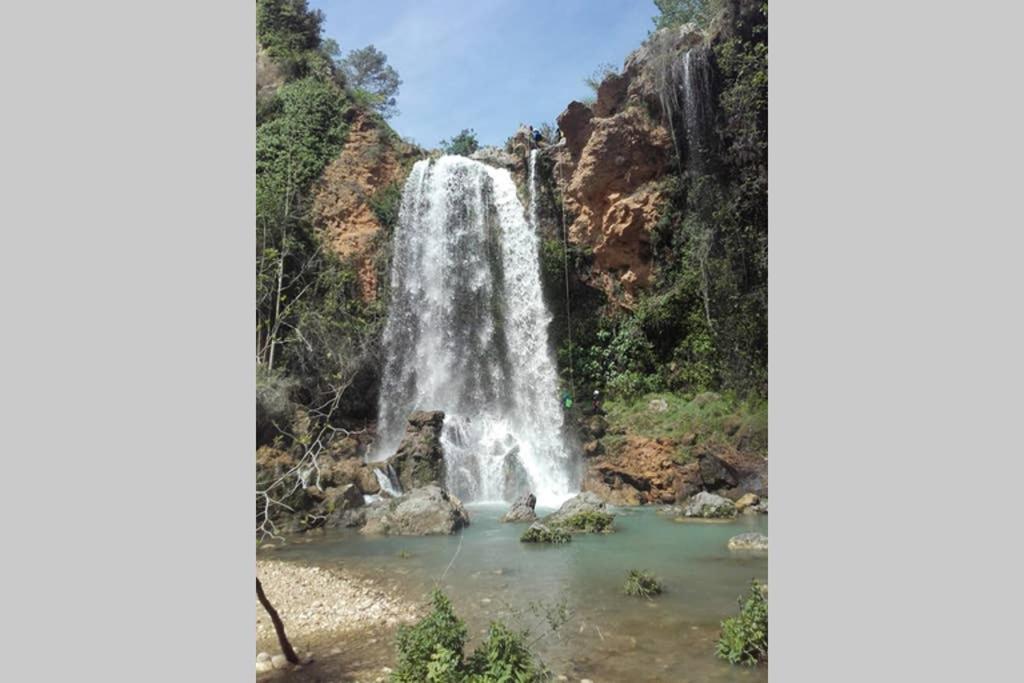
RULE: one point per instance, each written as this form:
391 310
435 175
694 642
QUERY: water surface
489 574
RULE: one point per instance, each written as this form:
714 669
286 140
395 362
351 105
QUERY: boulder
419 512
586 501
709 505
747 500
522 509
419 458
515 480
749 541
339 499
733 472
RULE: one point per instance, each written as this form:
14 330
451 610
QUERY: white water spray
467 334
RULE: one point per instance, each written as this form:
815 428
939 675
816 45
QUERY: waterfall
388 481
466 333
697 106
533 189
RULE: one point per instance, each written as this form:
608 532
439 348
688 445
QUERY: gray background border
894 326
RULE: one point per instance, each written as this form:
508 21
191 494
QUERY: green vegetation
744 638
431 651
315 336
602 72
707 418
678 12
464 144
539 533
642 584
368 73
702 325
590 521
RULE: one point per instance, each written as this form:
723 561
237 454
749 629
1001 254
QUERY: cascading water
467 334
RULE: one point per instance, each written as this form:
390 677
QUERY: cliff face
370 170
615 153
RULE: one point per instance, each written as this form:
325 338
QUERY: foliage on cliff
314 336
702 323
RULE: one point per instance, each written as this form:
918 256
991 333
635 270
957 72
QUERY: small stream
610 636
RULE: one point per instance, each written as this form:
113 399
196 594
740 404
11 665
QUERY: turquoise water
610 636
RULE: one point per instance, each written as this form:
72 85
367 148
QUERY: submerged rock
749 541
709 505
422 511
522 509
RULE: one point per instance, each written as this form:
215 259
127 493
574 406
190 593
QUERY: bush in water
538 533
642 584
744 638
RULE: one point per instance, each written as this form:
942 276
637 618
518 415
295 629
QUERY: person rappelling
566 399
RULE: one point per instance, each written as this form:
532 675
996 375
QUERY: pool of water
489 574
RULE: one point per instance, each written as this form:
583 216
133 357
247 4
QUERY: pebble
279 661
264 667
263 657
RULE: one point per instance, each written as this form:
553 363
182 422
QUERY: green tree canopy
465 143
367 70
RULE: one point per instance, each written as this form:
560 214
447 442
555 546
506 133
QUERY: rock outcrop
419 458
616 151
733 473
522 510
420 512
372 160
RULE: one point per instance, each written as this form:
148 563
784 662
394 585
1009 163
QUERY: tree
287 27
282 638
465 143
679 12
367 71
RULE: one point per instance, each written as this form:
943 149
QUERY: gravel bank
316 601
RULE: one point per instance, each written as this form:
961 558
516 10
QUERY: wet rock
515 480
418 460
749 541
522 509
709 505
422 511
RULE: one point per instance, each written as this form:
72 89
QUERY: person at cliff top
537 137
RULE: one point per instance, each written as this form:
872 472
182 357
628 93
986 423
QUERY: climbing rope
565 264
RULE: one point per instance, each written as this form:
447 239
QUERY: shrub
744 638
642 584
465 143
431 651
436 639
590 521
538 533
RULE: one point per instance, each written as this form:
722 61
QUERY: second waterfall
466 333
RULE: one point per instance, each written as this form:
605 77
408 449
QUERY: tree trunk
286 647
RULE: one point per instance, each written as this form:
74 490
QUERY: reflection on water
610 636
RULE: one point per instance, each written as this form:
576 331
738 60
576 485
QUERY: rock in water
587 501
418 460
420 512
749 541
709 505
746 501
522 510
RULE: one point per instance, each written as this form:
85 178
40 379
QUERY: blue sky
488 64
